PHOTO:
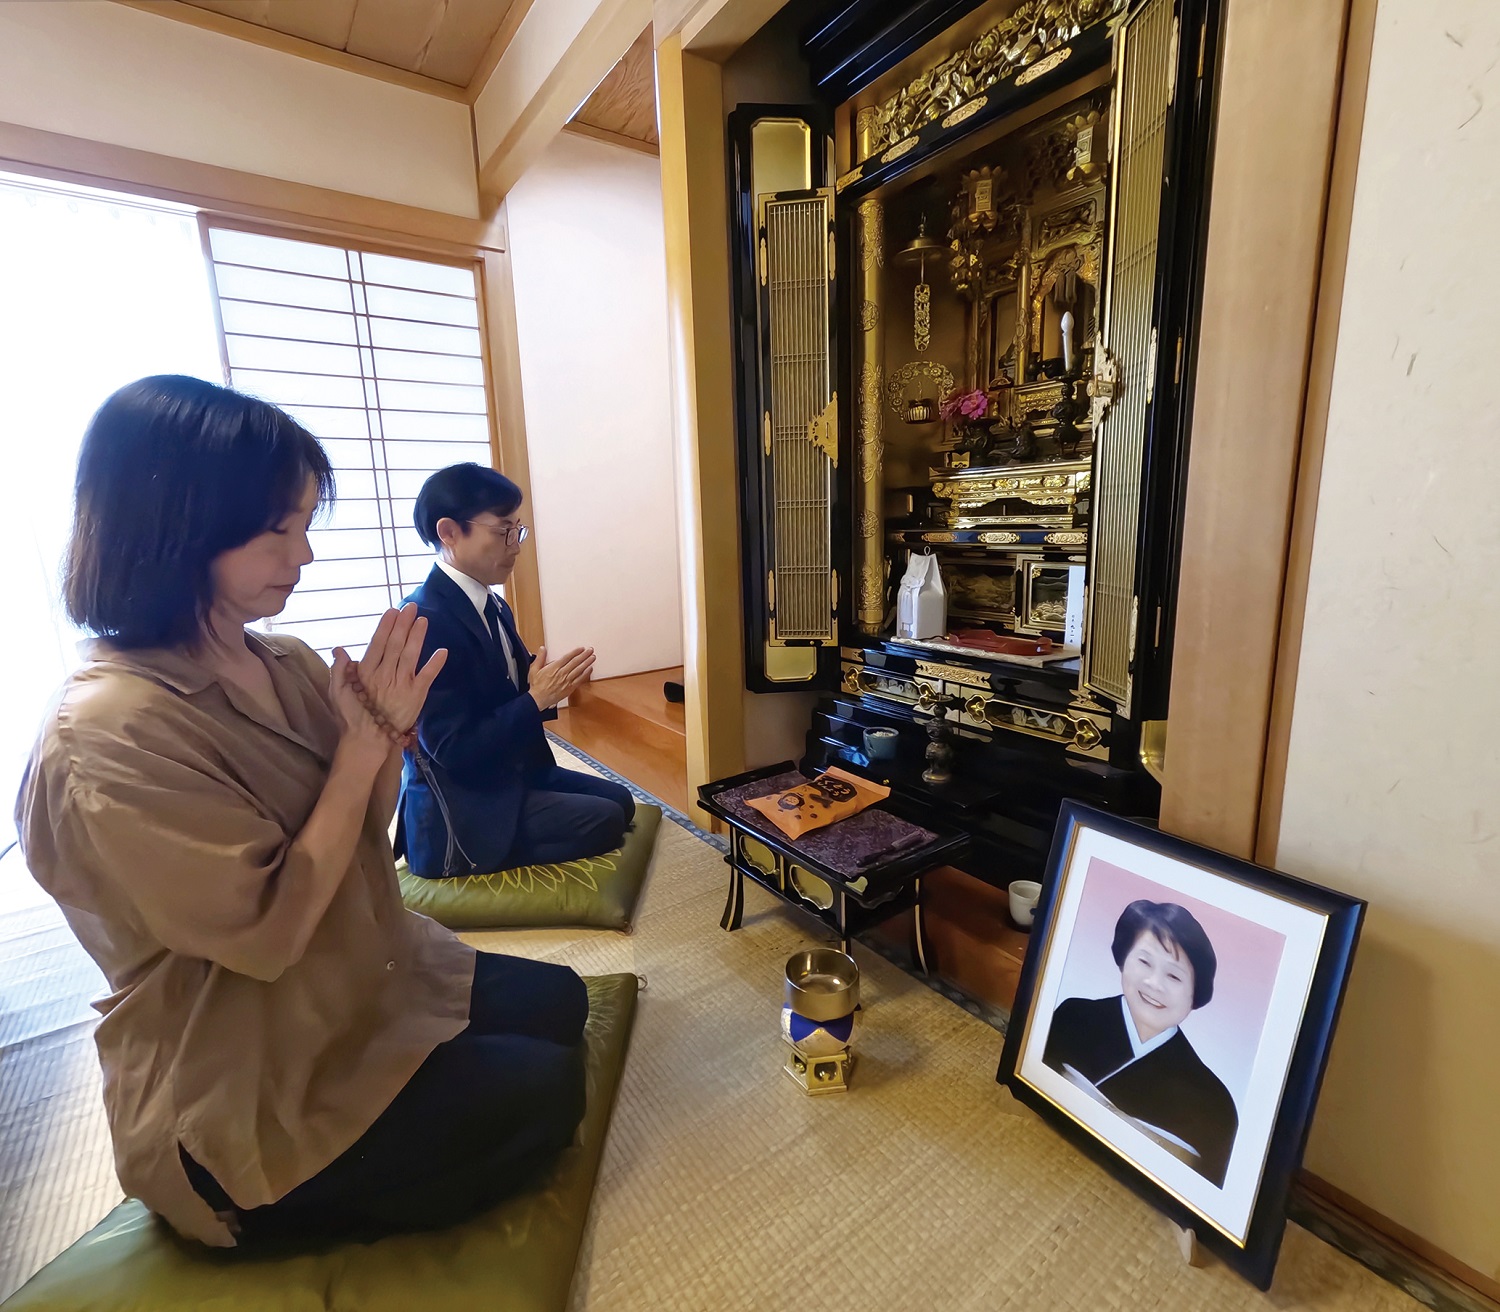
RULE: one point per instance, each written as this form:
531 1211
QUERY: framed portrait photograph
1173 1020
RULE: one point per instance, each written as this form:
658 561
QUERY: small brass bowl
822 984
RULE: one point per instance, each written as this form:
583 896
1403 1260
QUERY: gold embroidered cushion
518 1256
598 892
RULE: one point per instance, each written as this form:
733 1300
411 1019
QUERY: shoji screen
381 358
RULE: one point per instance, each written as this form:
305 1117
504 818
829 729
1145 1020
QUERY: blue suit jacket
481 735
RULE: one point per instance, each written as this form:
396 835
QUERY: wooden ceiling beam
583 129
558 56
720 27
499 44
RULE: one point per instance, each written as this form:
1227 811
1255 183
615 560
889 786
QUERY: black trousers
481 1118
567 815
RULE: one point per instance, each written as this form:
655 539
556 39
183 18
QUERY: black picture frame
1241 1215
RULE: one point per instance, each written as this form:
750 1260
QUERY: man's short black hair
1175 927
460 492
173 472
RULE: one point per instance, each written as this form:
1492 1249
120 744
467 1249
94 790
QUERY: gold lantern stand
918 253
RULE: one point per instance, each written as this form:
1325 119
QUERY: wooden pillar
1278 104
691 120
508 425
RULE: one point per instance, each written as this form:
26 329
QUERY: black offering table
851 875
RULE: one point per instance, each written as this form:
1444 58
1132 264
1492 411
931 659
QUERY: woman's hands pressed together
380 696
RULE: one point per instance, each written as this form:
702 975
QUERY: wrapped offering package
833 795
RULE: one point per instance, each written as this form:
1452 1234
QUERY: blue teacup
880 744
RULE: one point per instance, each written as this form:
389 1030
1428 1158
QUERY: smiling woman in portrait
1129 1050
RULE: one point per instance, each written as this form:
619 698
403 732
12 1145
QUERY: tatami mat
725 1187
926 1186
56 1170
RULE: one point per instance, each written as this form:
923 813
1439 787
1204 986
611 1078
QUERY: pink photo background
1225 1033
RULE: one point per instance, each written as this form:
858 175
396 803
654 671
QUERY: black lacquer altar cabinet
966 287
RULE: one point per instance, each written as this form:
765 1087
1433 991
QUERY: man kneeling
480 790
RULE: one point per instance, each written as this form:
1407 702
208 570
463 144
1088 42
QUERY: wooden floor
629 726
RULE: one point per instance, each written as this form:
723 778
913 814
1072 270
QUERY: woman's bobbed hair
173 472
1175 927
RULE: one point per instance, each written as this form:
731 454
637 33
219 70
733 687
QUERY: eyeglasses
514 534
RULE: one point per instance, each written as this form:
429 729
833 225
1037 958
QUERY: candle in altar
1067 341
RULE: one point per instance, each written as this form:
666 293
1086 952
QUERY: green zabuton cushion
598 892
518 1257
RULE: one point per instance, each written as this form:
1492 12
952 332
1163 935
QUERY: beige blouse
157 809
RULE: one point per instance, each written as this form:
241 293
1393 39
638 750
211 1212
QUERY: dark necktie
492 619
492 622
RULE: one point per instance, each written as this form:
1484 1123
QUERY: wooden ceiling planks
461 42
446 40
326 23
395 32
624 104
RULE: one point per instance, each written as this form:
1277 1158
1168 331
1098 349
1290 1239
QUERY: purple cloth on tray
839 846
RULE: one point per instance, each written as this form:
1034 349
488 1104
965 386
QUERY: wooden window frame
272 207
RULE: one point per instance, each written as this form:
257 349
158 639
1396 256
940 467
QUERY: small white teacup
1023 898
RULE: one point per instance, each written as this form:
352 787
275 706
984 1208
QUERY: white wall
105 72
588 257
1393 784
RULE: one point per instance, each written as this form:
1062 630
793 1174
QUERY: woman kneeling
286 1049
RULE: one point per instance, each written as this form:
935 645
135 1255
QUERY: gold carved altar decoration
1043 495
917 378
1026 250
962 696
823 430
1036 32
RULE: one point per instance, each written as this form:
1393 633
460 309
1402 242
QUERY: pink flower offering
967 405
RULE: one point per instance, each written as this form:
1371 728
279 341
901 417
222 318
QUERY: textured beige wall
591 310
113 74
1393 772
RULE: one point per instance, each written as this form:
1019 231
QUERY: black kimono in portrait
1169 1087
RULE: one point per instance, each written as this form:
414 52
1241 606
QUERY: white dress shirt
476 592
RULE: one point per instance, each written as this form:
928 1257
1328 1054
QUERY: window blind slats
422 307
295 356
409 426
237 283
424 367
396 334
286 322
394 271
231 246
380 357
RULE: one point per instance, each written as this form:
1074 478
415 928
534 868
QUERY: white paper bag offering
922 602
